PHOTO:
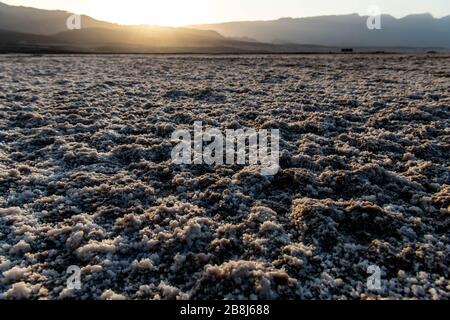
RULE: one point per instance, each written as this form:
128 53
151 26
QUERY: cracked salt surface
86 177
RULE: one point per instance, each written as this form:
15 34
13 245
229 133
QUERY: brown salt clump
95 247
261 214
111 295
16 273
75 239
250 277
169 292
14 173
13 211
143 265
20 247
19 291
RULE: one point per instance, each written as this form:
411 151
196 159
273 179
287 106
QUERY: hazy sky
184 12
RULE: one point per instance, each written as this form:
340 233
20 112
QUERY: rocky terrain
86 177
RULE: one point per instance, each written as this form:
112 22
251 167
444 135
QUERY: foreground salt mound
86 178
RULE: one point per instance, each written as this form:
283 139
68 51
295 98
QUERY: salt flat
86 177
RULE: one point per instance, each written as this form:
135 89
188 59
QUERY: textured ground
86 177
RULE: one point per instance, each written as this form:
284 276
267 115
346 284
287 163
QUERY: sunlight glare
165 13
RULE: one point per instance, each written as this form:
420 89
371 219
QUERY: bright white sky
185 12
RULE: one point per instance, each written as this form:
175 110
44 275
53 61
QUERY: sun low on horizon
188 12
166 13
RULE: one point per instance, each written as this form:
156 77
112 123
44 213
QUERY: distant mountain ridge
24 29
41 22
418 30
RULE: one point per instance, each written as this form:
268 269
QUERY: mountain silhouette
418 30
42 22
24 29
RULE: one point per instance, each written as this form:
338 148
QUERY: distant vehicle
347 50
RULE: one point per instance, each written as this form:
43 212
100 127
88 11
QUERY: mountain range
419 30
24 29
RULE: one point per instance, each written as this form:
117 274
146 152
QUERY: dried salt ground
86 177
